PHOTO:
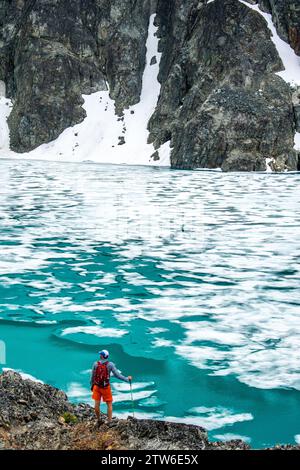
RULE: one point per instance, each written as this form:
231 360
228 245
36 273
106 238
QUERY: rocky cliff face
229 108
53 51
221 103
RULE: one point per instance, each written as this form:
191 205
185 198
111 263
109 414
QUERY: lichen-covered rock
160 435
24 401
296 104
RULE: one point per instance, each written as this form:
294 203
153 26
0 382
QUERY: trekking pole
132 398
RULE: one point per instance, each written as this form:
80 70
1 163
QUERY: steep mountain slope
209 94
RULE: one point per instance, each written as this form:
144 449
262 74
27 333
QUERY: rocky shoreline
36 416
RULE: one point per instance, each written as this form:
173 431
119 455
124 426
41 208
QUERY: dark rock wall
221 103
55 50
52 61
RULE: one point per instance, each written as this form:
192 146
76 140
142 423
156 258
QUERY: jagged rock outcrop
37 416
221 104
54 51
286 16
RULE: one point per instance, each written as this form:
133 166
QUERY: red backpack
101 377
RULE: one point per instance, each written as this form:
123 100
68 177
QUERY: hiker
100 385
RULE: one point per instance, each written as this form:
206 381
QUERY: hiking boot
112 424
100 421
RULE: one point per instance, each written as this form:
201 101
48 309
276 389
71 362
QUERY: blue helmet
104 353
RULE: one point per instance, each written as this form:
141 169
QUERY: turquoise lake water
190 279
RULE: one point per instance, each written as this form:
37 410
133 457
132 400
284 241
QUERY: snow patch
5 109
104 137
290 60
297 141
268 163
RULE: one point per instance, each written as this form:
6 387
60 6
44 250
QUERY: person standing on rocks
100 382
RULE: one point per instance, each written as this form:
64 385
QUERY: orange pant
104 393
